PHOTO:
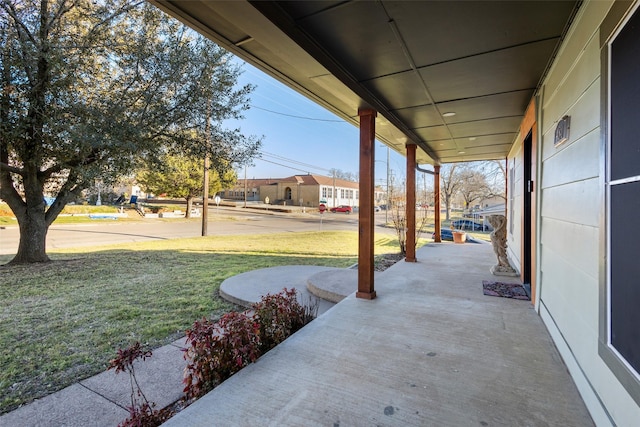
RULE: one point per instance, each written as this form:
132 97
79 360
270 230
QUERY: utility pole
334 188
424 196
386 211
245 186
207 161
205 195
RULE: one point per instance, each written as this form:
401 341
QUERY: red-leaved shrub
218 350
141 412
280 316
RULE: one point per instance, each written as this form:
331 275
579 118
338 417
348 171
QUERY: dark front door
528 213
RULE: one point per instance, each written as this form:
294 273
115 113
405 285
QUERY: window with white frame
512 197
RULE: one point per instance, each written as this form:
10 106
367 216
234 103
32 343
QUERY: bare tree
473 186
398 209
450 179
340 174
495 172
474 181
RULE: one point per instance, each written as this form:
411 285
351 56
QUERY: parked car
468 224
445 234
342 208
376 208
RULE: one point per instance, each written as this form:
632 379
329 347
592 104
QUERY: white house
300 190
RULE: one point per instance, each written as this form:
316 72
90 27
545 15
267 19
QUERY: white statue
499 242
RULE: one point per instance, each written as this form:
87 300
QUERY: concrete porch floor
431 350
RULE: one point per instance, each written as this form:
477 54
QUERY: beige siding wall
270 191
570 198
310 195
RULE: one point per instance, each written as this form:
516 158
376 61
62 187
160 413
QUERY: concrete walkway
431 350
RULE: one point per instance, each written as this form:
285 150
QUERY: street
222 221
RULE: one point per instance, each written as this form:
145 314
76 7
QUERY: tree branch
10 9
72 187
8 191
12 169
62 10
90 158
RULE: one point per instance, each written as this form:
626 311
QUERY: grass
78 214
62 321
71 214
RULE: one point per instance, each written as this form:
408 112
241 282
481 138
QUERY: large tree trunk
447 208
33 236
31 214
189 207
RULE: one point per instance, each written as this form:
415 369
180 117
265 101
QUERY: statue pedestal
498 270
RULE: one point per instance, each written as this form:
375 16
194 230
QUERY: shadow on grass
64 320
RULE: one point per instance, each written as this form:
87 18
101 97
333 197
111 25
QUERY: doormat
505 290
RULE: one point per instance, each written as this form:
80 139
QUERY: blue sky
314 136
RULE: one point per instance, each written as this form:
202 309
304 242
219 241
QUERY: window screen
624 194
625 272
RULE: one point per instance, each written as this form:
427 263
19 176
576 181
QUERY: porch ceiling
412 61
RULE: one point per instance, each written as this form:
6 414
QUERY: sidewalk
102 400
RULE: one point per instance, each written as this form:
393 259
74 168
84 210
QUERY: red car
342 208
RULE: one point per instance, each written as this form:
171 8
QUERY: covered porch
437 82
431 349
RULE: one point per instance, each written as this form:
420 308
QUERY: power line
282 158
298 117
292 161
280 164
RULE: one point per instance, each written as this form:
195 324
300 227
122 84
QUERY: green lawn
62 321
78 214
71 214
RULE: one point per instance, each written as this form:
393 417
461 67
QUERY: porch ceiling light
449 114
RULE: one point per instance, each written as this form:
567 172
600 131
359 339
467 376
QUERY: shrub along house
551 86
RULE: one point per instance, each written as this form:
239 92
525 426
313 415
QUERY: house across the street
300 190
